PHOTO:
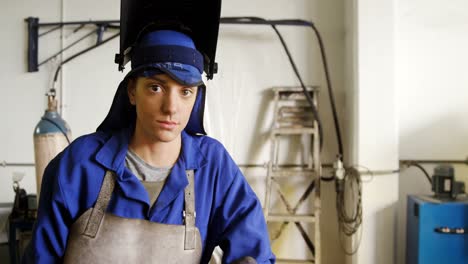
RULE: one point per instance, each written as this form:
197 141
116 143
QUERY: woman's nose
170 104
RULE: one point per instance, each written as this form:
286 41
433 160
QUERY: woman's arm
50 231
242 226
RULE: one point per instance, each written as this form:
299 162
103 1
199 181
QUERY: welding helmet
156 52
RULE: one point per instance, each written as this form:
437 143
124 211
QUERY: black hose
56 125
330 93
428 177
297 22
306 93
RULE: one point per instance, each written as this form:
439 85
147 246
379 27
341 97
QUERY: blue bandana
162 51
171 52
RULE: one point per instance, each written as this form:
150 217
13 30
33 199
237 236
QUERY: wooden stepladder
293 117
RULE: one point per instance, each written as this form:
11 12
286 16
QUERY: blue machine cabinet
436 231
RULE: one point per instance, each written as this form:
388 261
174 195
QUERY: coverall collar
112 156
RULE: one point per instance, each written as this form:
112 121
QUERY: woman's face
163 106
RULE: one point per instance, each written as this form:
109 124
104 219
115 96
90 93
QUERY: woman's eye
187 92
155 88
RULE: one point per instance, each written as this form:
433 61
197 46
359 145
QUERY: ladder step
309 218
293 97
282 89
296 120
294 261
294 130
292 173
296 110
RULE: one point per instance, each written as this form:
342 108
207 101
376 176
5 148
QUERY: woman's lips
169 125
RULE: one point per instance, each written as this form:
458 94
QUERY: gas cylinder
51 135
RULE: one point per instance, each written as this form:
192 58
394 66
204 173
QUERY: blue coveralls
228 213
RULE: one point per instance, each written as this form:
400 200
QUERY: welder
149 186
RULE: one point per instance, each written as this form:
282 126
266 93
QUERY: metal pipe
79 23
82 52
10 164
33 32
408 162
260 21
61 109
223 20
49 31
265 165
378 172
69 46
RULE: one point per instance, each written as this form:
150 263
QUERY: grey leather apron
100 237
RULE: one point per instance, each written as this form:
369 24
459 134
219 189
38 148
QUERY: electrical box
436 231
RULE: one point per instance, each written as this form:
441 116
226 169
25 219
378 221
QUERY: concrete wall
251 61
431 81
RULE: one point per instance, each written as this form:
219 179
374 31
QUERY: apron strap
100 207
189 213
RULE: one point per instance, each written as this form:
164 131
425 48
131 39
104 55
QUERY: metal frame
33 37
104 25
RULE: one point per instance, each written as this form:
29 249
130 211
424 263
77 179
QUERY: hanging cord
349 219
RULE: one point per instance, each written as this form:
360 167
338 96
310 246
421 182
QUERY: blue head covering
158 52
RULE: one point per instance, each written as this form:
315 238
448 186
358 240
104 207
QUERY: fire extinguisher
51 135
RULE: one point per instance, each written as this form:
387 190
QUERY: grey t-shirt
152 178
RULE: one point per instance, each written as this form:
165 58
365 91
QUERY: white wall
375 138
431 80
22 99
251 61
